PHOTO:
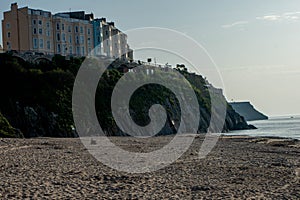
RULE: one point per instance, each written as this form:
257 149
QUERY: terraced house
69 33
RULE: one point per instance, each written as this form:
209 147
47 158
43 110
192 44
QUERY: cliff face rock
6 130
38 122
139 114
147 96
37 99
234 121
248 111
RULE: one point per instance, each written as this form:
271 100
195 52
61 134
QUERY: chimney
14 6
111 23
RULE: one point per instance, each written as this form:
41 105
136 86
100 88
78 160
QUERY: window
64 49
8 25
63 27
71 50
48 33
57 26
76 29
58 37
77 40
34 22
34 31
81 39
82 51
48 25
41 43
8 34
48 45
8 45
40 31
37 12
58 48
69 29
89 31
81 29
70 38
63 37
78 51
89 41
35 43
40 22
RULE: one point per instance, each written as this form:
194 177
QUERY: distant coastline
247 110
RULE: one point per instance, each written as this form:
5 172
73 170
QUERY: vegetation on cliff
37 98
6 129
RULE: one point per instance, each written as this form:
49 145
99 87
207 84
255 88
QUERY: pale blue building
98 35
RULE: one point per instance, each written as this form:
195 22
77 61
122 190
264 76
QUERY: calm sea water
279 127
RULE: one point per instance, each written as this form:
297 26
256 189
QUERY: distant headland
247 110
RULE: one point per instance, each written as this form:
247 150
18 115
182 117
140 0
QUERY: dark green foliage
6 130
37 98
44 85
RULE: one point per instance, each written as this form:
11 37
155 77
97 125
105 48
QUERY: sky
255 44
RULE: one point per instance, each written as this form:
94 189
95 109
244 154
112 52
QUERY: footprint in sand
297 172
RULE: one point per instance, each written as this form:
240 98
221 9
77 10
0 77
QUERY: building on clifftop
67 33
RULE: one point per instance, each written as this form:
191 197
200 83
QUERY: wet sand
237 168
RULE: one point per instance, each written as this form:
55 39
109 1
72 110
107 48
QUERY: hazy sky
255 43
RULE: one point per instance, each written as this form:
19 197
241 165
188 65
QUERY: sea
286 127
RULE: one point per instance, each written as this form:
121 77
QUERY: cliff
6 130
37 99
248 111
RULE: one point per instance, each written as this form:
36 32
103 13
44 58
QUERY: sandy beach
237 168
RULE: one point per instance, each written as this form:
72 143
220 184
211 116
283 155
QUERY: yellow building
26 29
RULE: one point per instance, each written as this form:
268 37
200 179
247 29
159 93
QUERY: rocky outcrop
232 121
38 122
37 99
6 130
